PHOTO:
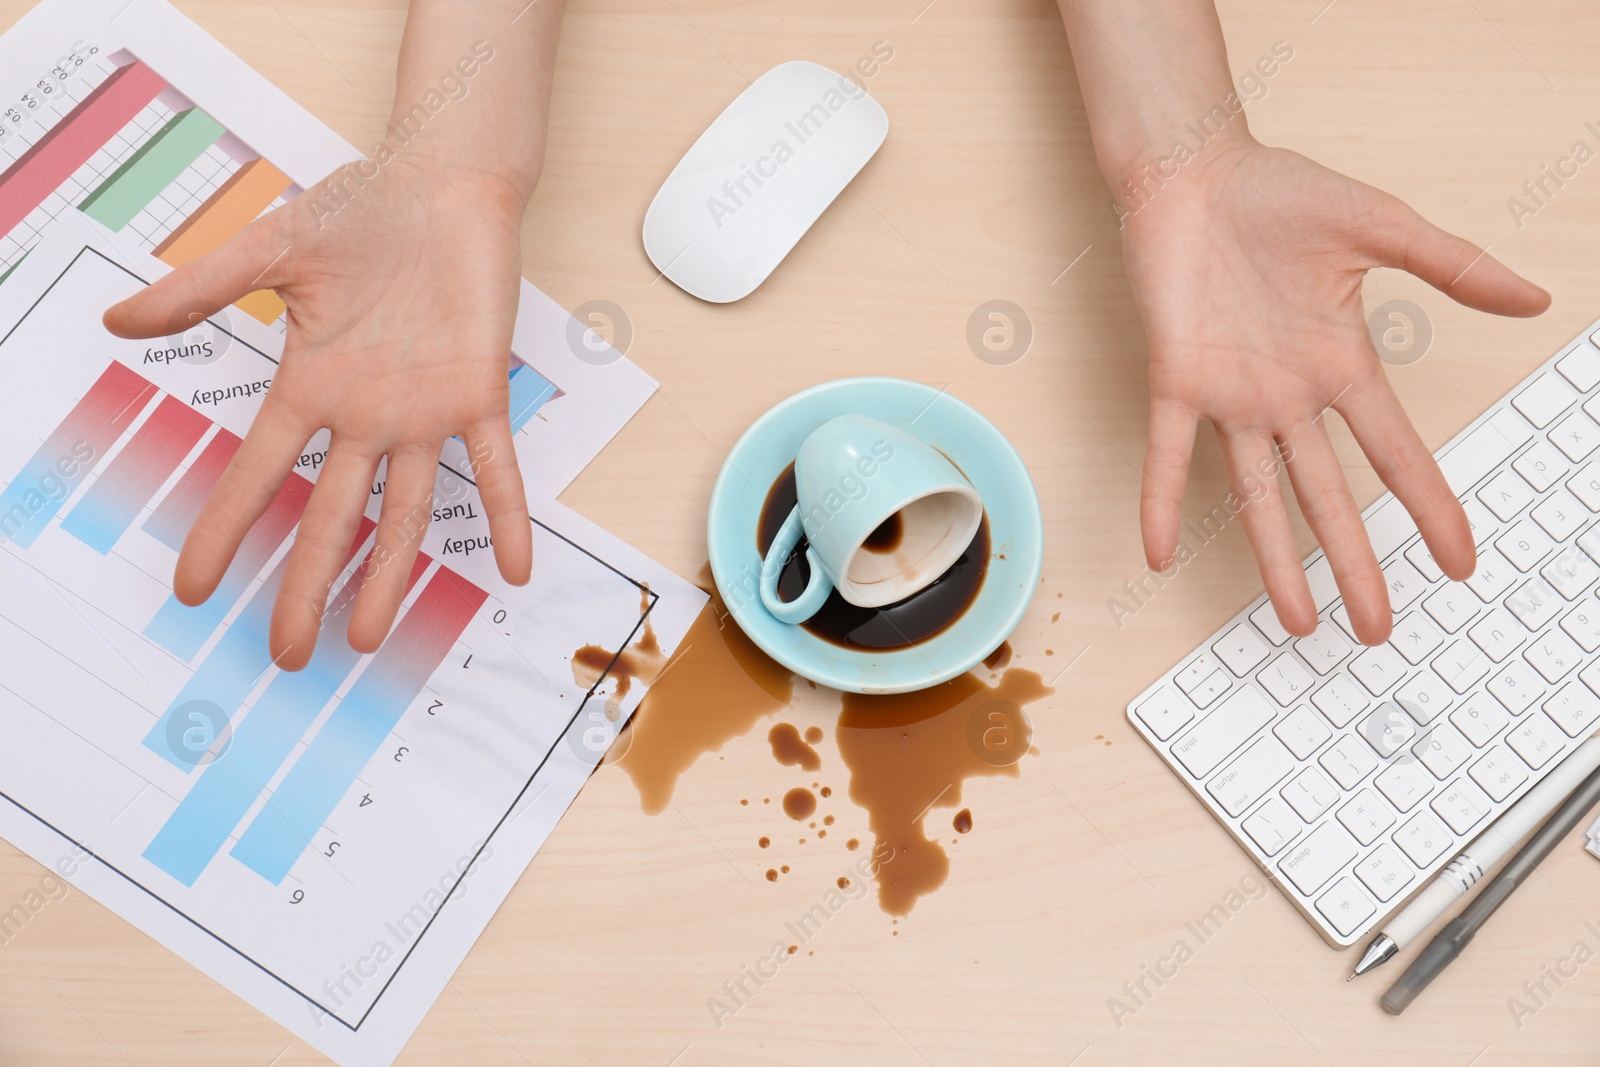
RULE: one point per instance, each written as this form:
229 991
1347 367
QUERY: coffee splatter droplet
963 820
813 734
789 750
827 791
799 803
852 844
844 883
772 875
764 842
827 820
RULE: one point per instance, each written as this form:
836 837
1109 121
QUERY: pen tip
1351 977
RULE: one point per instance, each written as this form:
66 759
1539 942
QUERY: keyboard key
1348 760
1582 624
1415 637
1341 700
1452 607
1196 671
1570 573
1546 398
1378 669
1424 697
1463 665
1498 634
1537 740
1286 678
1216 737
1484 449
1581 367
1405 584
1346 907
1574 707
1442 750
1423 560
1164 713
1541 466
1242 649
1506 494
1272 826
1560 515
1480 719
1385 873
1342 617
1366 816
1493 576
1525 545
1424 839
1388 527
1303 731
1325 649
1585 485
1266 620
1387 730
1319 857
1310 794
1499 773
1553 654
1324 590
1251 776
1480 521
1535 603
1215 684
1576 435
1462 805
1516 687
1406 784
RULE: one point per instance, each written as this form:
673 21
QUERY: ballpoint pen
1442 951
1491 846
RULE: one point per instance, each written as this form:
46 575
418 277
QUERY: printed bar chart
111 504
243 197
70 143
183 630
393 679
64 459
169 523
193 835
530 390
156 165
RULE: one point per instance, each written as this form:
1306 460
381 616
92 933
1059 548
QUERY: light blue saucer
1016 533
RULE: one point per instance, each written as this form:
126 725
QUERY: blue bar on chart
356 728
199 827
183 630
530 391
130 480
238 660
73 448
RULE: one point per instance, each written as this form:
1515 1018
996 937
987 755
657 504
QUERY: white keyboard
1353 774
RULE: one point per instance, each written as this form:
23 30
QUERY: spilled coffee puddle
906 755
717 686
911 752
641 661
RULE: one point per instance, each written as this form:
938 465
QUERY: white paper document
129 113
326 843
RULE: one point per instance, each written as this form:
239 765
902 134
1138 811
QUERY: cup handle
816 592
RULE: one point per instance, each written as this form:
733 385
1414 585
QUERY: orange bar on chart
249 192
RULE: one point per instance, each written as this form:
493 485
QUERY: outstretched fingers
1166 471
1253 468
407 509
505 502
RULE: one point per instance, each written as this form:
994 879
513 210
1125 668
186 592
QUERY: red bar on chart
108 508
69 144
79 442
170 521
184 630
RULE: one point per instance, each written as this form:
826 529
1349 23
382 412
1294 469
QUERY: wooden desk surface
1086 868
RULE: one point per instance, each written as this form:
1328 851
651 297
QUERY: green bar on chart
13 268
156 165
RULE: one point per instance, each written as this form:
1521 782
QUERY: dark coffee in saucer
908 622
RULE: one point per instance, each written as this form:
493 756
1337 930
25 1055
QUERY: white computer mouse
760 175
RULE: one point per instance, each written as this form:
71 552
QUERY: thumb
1399 237
256 258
